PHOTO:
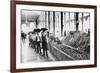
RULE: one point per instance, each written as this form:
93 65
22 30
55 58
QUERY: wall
5 36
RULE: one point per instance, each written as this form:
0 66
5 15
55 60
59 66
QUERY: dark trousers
38 47
45 48
35 45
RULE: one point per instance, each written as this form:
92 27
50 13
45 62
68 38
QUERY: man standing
44 44
38 43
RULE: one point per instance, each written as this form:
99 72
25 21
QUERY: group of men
39 41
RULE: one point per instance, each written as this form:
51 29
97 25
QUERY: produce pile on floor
79 46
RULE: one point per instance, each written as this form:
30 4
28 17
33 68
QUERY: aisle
29 54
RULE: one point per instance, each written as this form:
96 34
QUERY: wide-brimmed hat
44 29
37 30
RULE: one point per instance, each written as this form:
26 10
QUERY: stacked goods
85 44
75 54
66 39
74 39
57 54
78 40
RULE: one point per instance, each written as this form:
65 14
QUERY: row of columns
60 23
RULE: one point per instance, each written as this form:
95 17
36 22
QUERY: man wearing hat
44 44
